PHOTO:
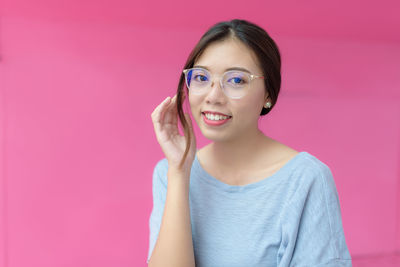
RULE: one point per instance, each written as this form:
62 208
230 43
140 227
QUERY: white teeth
215 117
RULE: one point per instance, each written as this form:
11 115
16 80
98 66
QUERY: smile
216 120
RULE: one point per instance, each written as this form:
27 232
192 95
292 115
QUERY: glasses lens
236 83
197 80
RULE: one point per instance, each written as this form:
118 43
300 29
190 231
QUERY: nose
215 94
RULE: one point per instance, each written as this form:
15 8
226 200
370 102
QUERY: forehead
220 56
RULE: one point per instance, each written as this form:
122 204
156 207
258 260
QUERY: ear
266 97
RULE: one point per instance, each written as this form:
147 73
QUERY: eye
237 80
200 78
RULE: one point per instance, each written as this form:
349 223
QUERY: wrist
178 171
178 174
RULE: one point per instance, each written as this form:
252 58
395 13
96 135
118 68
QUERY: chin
216 137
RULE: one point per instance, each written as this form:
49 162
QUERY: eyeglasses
234 83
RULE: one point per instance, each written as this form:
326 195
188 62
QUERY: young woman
245 199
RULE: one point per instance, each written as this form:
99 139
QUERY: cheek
248 108
194 102
257 100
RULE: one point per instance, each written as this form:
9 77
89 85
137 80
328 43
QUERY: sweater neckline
205 176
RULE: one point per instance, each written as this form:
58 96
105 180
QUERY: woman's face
245 111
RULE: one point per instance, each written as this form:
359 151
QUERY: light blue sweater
291 218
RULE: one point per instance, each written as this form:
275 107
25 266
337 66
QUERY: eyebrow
228 69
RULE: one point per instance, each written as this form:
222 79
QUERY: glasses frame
252 77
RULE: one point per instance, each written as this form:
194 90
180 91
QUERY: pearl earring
267 105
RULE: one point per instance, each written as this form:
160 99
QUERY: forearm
174 245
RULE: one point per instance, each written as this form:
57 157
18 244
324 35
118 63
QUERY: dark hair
254 37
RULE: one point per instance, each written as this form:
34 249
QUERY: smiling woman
245 199
237 94
240 46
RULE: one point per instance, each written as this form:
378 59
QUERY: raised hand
165 121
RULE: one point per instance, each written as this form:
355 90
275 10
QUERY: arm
174 246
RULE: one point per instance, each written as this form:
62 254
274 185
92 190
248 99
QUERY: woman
245 199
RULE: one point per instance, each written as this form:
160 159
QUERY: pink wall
78 84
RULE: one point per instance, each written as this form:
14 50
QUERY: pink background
79 80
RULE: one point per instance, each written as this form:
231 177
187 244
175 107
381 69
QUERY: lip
215 113
214 123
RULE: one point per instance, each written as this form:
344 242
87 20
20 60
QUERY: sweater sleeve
159 189
311 224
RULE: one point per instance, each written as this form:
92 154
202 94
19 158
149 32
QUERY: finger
157 115
164 108
172 112
164 111
170 116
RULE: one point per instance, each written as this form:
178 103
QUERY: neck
240 151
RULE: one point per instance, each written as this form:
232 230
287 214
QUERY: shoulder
319 169
312 176
307 172
322 179
314 164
